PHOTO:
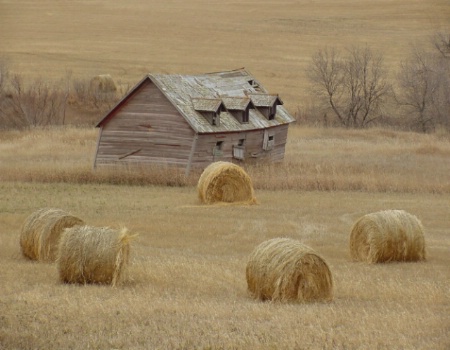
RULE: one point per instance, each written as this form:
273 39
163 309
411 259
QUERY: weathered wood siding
146 129
253 146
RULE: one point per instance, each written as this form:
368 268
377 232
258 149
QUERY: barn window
245 115
269 140
266 104
217 151
238 151
209 108
215 119
272 112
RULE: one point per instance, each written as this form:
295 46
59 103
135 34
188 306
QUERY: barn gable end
144 128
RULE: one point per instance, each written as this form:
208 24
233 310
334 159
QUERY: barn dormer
266 104
209 108
239 107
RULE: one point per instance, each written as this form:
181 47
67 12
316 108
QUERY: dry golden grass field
274 40
186 286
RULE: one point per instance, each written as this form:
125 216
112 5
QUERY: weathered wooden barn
192 121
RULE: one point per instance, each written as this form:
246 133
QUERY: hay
283 269
389 235
93 255
225 182
41 233
103 83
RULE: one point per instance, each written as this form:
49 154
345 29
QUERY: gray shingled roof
181 90
192 94
206 104
264 100
236 103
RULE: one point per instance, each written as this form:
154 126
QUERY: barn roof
206 104
265 100
235 89
237 103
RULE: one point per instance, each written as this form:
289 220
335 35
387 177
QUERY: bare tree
354 87
4 76
441 42
66 94
39 103
424 85
418 83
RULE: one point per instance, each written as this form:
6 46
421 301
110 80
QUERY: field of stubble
187 287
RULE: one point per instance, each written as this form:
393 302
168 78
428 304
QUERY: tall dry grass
373 160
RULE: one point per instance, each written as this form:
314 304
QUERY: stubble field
186 285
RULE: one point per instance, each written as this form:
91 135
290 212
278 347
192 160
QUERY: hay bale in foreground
41 232
93 255
225 182
283 269
388 235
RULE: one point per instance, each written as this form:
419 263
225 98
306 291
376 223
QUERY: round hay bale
388 235
283 269
225 182
41 232
103 83
93 255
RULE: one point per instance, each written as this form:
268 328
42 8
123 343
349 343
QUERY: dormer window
272 110
239 107
266 104
209 108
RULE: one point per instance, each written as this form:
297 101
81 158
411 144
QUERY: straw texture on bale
388 235
93 255
41 232
103 83
283 269
225 182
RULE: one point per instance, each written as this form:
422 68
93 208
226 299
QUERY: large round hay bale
41 232
283 269
225 182
93 255
103 83
388 235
